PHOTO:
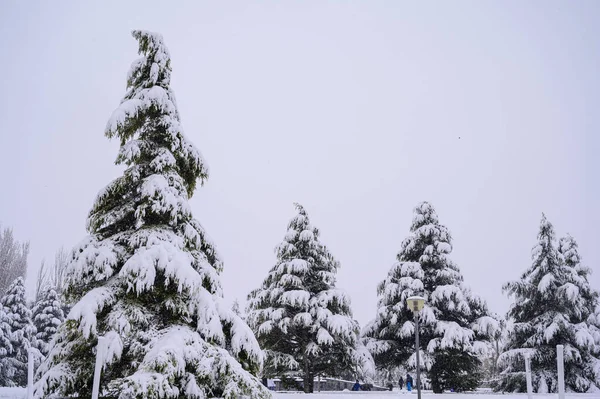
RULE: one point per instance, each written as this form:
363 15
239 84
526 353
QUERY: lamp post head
415 303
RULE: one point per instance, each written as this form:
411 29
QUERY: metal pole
418 350
29 373
528 377
561 371
98 368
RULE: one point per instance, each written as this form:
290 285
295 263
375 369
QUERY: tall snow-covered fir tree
47 316
552 304
455 325
21 335
301 319
147 276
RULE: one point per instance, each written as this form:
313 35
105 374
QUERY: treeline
304 323
26 325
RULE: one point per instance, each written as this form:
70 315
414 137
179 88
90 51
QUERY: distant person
356 386
401 383
409 382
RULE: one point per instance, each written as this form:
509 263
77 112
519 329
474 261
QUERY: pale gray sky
357 110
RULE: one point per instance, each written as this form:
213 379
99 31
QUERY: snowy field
21 393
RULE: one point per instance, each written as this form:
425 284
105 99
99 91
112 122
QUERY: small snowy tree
455 325
22 332
301 319
147 277
553 304
47 316
496 348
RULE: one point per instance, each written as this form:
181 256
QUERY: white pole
30 373
561 371
528 377
98 368
417 347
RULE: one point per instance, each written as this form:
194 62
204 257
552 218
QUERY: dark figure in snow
356 386
409 382
401 383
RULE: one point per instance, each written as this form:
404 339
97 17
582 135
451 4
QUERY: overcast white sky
357 110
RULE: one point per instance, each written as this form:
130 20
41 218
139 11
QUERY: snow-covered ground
21 393
13 393
426 395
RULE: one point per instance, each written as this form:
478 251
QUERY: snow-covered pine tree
552 305
22 332
584 317
455 325
147 276
6 348
47 316
301 319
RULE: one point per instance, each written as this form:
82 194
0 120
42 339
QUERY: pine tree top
545 246
163 166
15 297
424 214
546 270
49 303
301 252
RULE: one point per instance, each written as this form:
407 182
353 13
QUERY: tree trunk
309 378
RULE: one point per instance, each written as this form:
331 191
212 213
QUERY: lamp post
416 303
